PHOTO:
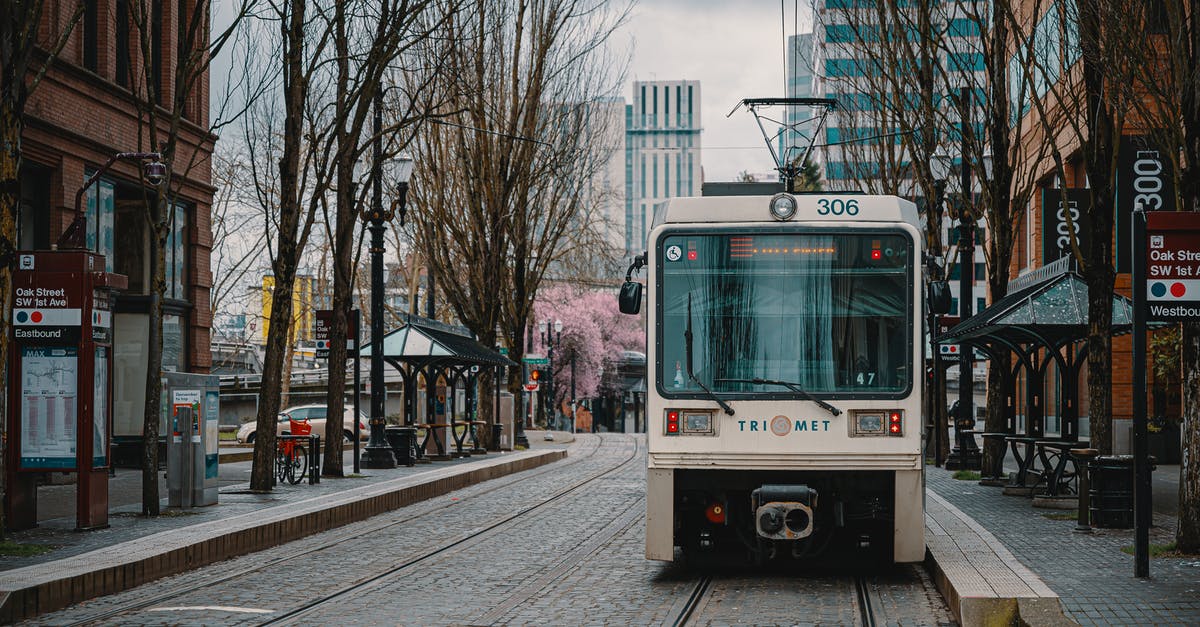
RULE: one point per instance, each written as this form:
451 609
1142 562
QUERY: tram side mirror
939 297
630 299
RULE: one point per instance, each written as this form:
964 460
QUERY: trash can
497 433
1111 492
403 441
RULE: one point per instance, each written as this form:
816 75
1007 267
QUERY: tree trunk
1187 533
10 197
272 379
993 448
159 221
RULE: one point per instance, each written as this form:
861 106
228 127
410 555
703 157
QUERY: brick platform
982 581
51 585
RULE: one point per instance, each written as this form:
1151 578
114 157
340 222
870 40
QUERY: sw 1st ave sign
1172 266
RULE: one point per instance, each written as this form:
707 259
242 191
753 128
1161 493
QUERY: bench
1023 451
1054 456
432 430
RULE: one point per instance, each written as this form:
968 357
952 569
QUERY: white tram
783 391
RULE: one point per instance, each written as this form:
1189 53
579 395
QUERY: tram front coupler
783 512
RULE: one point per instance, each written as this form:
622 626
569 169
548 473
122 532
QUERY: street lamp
551 335
378 454
153 169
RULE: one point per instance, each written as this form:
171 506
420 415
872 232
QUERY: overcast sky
735 49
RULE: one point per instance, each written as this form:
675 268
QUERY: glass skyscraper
662 152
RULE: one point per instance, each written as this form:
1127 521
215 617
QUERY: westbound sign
944 324
1172 266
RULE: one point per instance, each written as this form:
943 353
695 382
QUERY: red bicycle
291 458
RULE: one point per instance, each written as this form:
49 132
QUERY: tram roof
870 208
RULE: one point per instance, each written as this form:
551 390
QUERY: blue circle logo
1158 290
22 317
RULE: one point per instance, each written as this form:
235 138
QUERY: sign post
1165 268
60 377
324 322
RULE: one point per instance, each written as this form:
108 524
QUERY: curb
980 579
34 590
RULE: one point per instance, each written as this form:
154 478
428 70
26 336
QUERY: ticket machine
60 382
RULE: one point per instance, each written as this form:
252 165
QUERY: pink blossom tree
594 333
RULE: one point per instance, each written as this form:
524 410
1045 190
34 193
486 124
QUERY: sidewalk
1089 572
134 550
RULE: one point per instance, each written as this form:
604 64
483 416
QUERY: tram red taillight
895 423
715 513
672 422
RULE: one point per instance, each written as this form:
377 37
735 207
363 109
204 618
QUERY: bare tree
399 28
169 110
502 194
1006 171
1080 110
26 53
1165 96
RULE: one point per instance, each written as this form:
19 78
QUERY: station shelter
440 366
1038 330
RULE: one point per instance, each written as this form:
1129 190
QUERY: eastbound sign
1172 266
324 323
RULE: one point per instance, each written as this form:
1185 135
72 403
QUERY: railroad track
368 584
354 532
691 612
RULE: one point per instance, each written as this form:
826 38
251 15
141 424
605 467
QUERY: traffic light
535 375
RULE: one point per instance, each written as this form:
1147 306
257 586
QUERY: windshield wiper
687 337
795 387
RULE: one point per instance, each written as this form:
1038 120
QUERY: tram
783 376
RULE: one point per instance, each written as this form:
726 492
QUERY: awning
1049 305
421 341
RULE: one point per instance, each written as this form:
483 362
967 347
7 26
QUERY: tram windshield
830 312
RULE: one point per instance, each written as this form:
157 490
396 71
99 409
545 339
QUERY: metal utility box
192 409
507 409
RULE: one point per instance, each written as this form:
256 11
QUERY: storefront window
103 228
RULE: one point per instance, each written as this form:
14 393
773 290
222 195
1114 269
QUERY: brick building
81 115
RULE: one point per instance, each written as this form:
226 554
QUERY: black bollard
1084 456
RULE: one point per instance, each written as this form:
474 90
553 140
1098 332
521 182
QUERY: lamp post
965 454
551 335
152 168
378 454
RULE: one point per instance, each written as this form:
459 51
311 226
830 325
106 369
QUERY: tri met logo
782 425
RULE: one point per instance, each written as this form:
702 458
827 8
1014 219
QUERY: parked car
312 414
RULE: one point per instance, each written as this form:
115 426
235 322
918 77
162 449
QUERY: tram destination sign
1172 266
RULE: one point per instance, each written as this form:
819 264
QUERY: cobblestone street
558 545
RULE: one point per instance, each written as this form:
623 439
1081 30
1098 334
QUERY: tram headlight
783 207
877 422
688 422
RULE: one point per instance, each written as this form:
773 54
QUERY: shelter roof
420 341
1049 305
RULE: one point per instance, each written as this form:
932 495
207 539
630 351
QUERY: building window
156 59
689 105
643 101
101 227
678 103
122 42
667 176
174 344
655 179
91 29
643 176
175 253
